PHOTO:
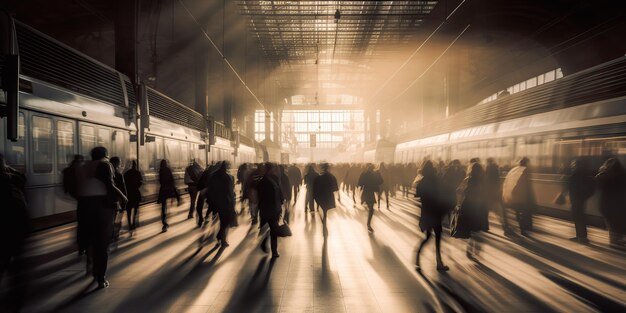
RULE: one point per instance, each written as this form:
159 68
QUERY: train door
15 152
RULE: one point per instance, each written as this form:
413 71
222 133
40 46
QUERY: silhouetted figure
192 176
252 192
14 227
580 186
286 189
352 179
221 195
166 191
517 193
451 178
428 190
295 177
611 181
385 187
270 200
243 172
201 186
493 192
324 189
70 186
134 180
370 181
118 178
98 196
472 201
309 181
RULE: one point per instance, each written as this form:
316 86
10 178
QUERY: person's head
475 170
163 164
115 161
133 164
324 167
523 161
474 160
310 168
491 161
99 153
382 165
224 166
369 167
428 169
78 158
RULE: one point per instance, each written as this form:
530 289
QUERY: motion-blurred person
324 190
192 176
134 180
451 178
580 186
309 181
386 186
98 197
201 186
493 192
370 181
428 190
295 177
286 189
517 193
70 186
166 191
352 179
221 196
252 193
611 181
118 178
270 201
472 201
14 227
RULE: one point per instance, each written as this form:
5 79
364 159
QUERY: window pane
65 144
87 140
42 149
549 76
15 150
104 138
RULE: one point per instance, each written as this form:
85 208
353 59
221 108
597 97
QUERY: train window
172 153
42 149
118 147
87 140
104 139
184 154
65 144
15 150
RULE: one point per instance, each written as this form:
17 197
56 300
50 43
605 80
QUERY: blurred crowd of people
459 196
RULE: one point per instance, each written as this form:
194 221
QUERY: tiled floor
352 271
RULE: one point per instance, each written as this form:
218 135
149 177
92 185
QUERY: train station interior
400 156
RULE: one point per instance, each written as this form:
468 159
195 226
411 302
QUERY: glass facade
332 128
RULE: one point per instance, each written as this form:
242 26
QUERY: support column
201 71
268 126
126 38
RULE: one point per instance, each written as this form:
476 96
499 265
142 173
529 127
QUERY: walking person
324 190
134 180
166 191
611 181
221 196
192 175
98 196
517 193
493 193
472 203
580 186
287 189
70 186
295 177
428 190
370 182
270 200
386 186
309 181
118 178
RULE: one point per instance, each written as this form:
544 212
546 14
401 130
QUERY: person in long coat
517 193
270 199
611 182
324 190
580 186
386 186
309 181
120 183
472 199
221 196
370 182
166 191
433 211
286 189
134 180
295 178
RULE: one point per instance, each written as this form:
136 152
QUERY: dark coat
270 198
285 186
295 176
581 186
473 205
493 184
221 192
323 190
428 190
133 180
611 183
370 181
168 188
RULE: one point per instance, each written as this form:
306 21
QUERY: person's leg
324 224
440 265
164 214
129 211
419 250
370 214
81 230
287 215
387 198
104 228
578 216
199 207
379 195
193 194
274 238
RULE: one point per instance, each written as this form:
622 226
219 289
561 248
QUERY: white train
70 103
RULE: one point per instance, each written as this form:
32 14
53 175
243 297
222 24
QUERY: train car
68 104
589 121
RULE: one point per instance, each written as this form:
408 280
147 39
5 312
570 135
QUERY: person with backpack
517 193
428 190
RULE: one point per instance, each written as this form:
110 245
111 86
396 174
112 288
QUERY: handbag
283 230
